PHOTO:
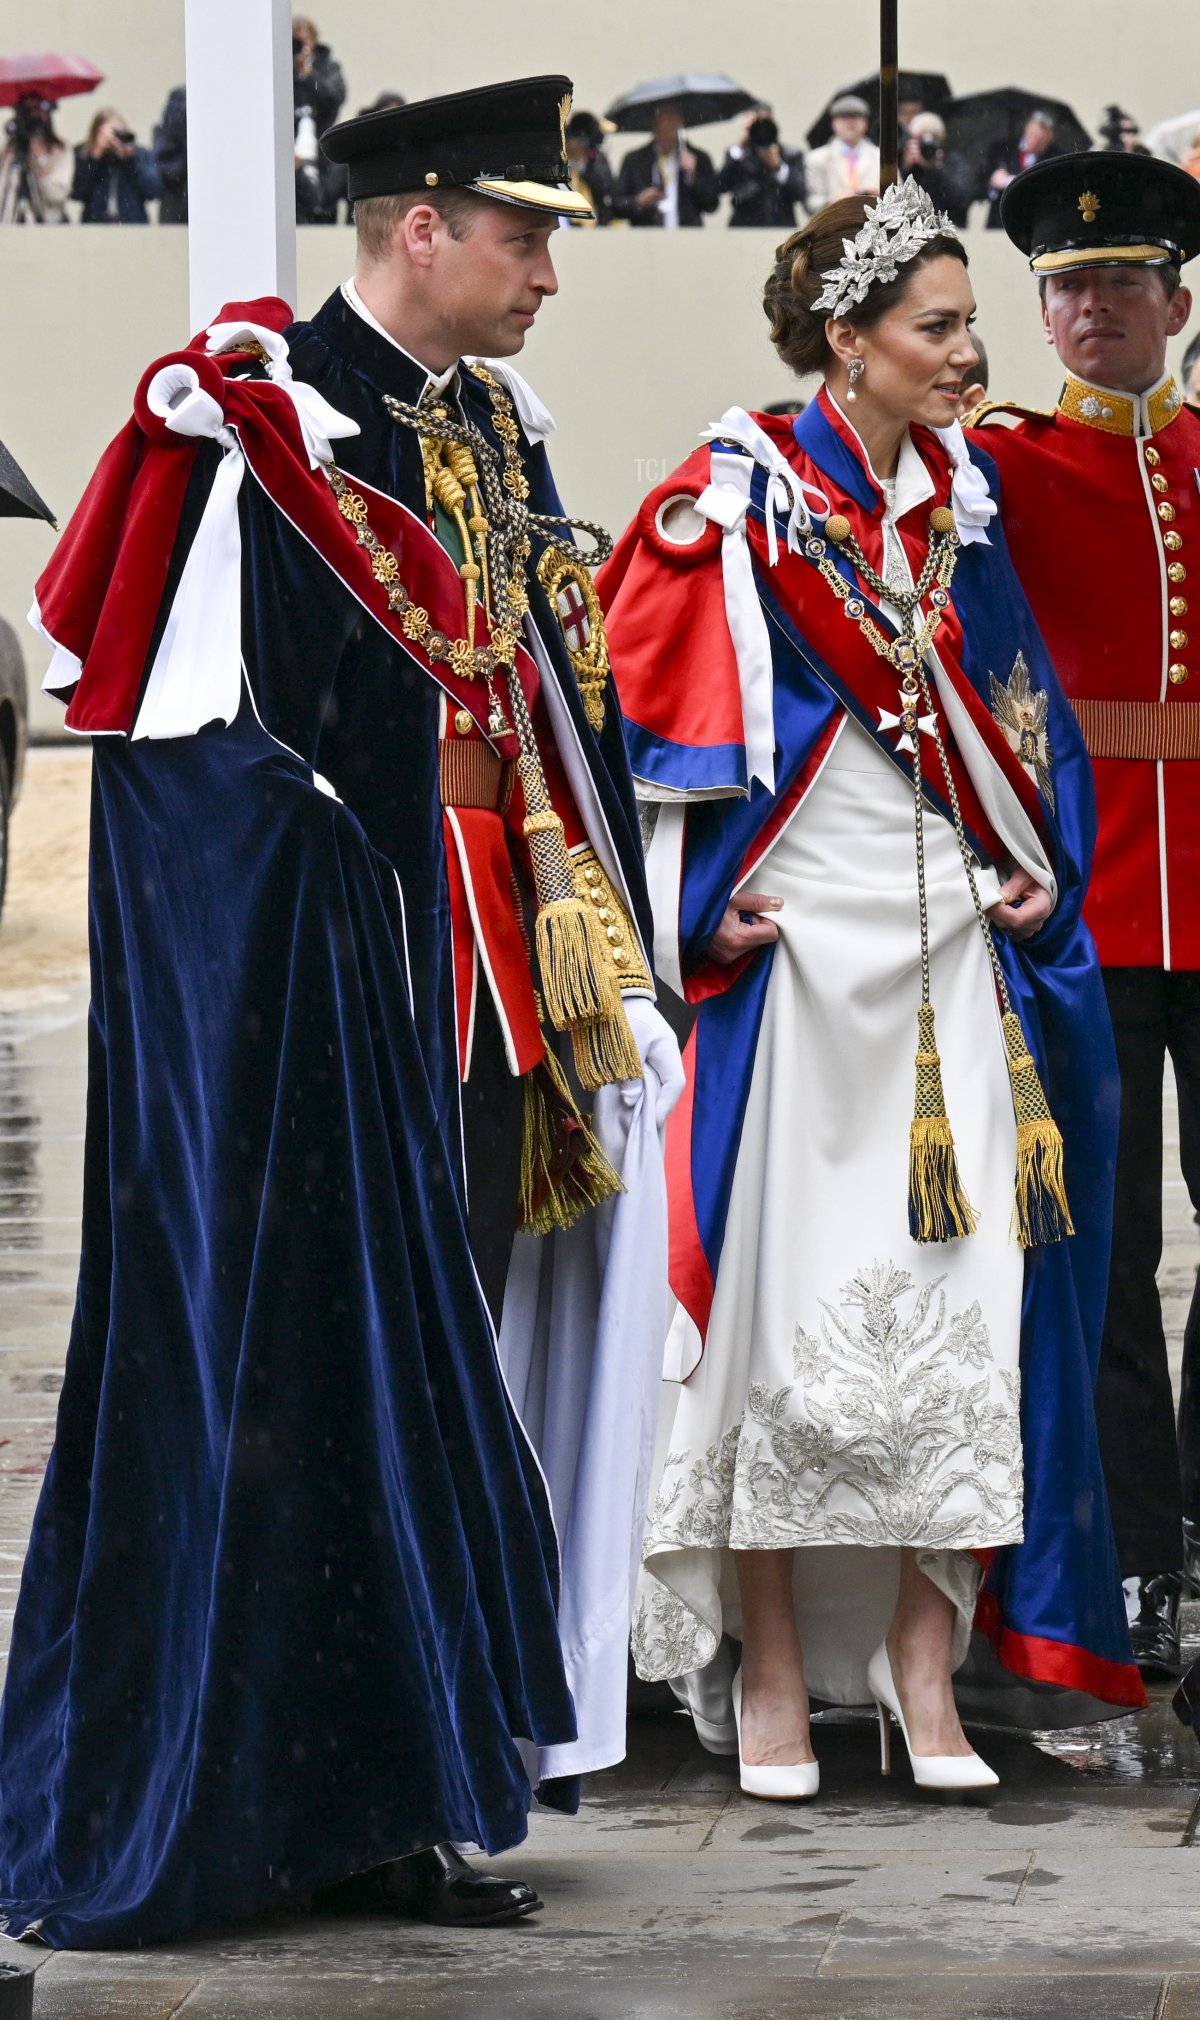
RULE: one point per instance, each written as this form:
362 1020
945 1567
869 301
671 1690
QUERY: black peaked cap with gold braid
505 141
1103 210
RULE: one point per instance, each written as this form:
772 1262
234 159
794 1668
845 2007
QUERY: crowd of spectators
665 182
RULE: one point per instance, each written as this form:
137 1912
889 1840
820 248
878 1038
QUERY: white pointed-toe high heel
795 1784
930 1770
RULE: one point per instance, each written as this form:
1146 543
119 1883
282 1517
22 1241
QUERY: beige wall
650 337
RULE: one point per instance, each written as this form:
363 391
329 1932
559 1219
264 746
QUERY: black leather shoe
1152 1609
436 1885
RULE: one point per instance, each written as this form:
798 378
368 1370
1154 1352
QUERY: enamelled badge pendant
909 722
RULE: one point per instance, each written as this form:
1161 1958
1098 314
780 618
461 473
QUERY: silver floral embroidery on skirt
898 1429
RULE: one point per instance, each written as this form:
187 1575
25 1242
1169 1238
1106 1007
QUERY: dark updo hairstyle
795 281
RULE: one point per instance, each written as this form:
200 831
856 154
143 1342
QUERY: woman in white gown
851 773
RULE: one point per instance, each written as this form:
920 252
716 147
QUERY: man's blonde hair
376 217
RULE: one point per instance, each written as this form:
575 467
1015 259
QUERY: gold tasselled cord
582 994
938 1207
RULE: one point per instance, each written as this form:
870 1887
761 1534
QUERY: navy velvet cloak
290 1594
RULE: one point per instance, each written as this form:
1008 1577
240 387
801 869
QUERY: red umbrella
52 77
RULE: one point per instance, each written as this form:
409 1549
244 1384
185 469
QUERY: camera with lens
29 122
763 133
126 138
928 148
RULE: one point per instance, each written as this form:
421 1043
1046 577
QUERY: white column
241 179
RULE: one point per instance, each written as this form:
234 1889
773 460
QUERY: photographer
591 170
765 182
170 152
1120 132
318 92
946 179
667 183
114 177
36 167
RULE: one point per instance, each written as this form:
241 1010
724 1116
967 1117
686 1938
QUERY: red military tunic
1101 506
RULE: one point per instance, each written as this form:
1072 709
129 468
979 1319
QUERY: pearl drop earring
857 368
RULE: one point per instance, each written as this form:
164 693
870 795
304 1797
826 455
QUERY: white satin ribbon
974 506
725 501
196 676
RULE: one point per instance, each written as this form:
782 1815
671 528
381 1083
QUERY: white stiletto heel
795 1784
930 1770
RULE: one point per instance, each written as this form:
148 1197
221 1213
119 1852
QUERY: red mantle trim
1058 1662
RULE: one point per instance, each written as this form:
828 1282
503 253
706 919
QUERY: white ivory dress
858 1391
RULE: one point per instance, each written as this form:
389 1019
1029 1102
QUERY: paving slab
71 1988
1182 2000
724 1991
1036 1936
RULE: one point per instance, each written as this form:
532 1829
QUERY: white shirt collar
913 483
440 382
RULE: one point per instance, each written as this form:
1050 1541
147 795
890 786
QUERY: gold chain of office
488 503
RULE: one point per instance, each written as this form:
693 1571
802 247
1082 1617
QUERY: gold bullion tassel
577 975
564 1172
1040 1209
606 1050
938 1207
579 984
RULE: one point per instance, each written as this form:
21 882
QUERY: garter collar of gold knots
486 495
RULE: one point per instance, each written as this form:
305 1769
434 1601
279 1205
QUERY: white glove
659 1048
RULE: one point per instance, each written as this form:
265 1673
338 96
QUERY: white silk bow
196 677
974 506
725 501
320 424
787 491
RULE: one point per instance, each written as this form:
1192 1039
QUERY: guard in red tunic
1101 505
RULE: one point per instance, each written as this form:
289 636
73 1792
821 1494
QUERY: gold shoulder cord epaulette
980 415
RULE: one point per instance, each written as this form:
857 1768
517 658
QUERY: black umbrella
702 99
18 499
976 124
929 86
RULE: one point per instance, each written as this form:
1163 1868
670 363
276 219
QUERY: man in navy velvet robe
288 1614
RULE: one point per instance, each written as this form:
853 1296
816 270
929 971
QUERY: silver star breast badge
1021 710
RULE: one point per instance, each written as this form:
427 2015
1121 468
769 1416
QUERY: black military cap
503 140
1103 210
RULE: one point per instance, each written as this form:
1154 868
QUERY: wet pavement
1071 1891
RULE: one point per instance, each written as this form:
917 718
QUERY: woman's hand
737 934
1024 906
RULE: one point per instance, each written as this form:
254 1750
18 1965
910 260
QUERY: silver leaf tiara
893 232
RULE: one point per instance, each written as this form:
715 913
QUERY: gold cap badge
1089 204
